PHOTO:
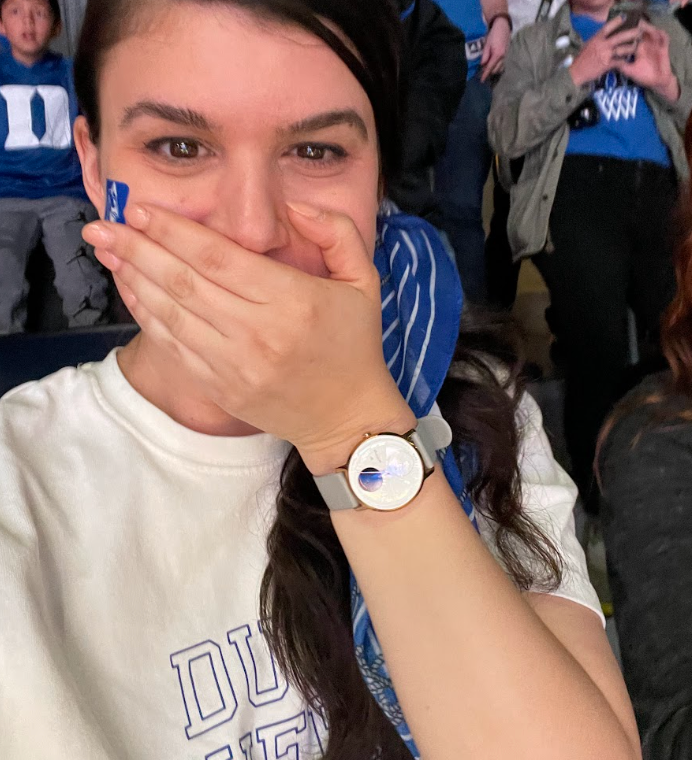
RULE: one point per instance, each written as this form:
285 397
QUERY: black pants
502 273
610 226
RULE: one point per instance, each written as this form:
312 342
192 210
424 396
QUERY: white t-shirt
131 555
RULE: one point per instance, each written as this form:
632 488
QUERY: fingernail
304 210
137 215
98 234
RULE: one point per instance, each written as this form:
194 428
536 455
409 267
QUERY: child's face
29 26
224 120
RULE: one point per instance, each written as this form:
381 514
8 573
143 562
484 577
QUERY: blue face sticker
116 199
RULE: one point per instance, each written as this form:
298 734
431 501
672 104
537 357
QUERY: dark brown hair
676 335
305 595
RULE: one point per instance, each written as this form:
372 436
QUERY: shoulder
649 413
539 33
647 452
35 410
680 38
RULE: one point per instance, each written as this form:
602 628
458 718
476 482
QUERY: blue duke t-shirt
468 16
626 128
38 108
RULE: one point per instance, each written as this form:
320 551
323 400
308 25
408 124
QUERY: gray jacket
531 105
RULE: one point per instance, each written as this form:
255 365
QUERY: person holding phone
591 111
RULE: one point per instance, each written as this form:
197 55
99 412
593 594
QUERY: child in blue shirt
42 195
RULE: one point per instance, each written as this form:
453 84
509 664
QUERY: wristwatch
386 471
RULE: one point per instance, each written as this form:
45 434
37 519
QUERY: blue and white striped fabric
421 308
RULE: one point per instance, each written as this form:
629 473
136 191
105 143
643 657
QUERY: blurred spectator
502 271
594 133
433 81
462 172
645 466
42 196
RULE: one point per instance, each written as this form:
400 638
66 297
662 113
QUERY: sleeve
548 498
435 81
647 523
525 112
681 64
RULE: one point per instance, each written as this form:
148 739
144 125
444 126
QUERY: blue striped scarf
421 309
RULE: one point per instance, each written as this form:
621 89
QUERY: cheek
190 199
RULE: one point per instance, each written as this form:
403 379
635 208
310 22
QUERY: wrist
578 76
501 18
387 415
670 89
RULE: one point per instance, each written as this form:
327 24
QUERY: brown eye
312 152
183 149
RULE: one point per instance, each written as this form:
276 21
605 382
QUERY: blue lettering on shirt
38 108
211 699
626 128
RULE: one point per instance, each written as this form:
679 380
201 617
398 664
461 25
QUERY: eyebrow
187 117
329 119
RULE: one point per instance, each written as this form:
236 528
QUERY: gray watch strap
336 492
431 435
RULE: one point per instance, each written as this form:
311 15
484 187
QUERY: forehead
237 70
42 4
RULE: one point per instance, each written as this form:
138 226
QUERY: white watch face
385 472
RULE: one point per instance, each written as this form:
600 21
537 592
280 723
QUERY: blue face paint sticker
117 194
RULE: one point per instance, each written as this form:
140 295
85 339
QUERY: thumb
339 240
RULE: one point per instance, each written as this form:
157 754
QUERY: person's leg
79 279
652 274
501 271
587 279
19 233
460 177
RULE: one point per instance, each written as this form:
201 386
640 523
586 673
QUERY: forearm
476 671
492 7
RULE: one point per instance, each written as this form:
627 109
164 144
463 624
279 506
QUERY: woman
590 114
138 494
645 465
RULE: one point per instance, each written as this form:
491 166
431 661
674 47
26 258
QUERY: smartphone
631 12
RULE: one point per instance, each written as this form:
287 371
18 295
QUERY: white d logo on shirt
56 103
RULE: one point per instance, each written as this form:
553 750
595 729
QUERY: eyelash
155 147
338 154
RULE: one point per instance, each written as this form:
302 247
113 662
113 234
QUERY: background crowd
588 167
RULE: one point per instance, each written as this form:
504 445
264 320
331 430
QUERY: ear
57 29
89 156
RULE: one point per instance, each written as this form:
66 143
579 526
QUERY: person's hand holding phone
651 67
604 51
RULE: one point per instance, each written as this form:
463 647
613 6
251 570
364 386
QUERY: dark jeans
610 226
460 177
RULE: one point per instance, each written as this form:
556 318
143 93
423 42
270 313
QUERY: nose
249 207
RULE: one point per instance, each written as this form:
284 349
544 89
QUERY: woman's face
223 119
